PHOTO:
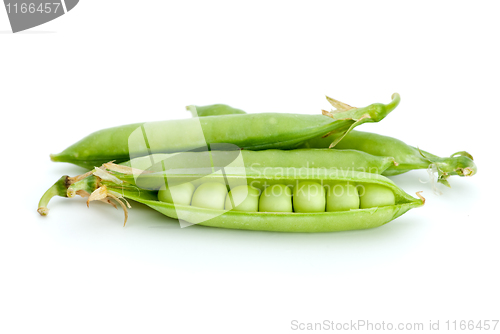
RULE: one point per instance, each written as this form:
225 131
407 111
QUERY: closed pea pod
246 131
291 160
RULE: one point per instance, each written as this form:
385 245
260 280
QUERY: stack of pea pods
279 172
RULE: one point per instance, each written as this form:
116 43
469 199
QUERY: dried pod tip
421 197
43 211
71 193
58 189
468 171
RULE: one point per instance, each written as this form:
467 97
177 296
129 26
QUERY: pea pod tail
58 189
459 163
407 157
91 185
373 113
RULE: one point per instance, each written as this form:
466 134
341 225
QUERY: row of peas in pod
305 196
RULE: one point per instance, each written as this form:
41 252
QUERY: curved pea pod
108 184
407 157
247 131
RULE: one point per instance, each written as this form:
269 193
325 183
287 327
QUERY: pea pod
346 160
407 157
108 184
247 131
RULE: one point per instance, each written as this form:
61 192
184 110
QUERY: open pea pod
110 183
246 131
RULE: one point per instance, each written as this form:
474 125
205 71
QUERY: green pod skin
247 131
345 160
348 160
407 157
265 221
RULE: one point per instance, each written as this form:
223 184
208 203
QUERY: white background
108 63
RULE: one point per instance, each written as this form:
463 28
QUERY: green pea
276 198
342 196
309 197
179 194
245 198
374 195
210 195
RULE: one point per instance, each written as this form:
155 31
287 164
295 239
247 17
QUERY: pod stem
58 189
459 163
396 98
192 110
93 185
